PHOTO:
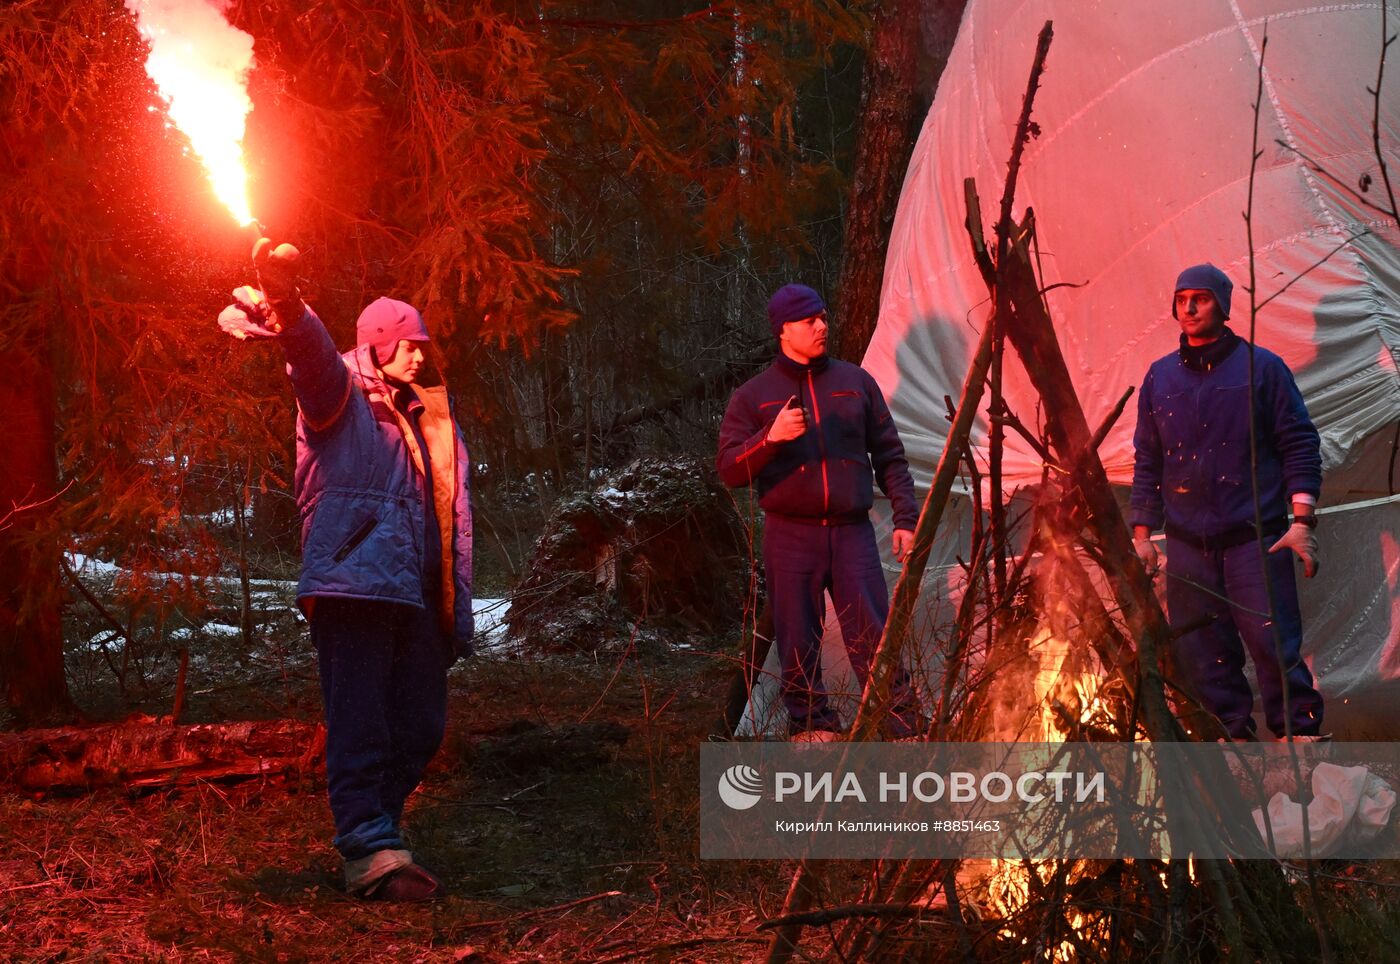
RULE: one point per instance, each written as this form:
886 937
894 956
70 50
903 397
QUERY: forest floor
561 815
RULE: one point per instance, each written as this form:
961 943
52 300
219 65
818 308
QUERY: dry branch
829 915
906 592
142 755
663 951
543 911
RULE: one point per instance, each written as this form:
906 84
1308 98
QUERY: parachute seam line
1296 159
1049 137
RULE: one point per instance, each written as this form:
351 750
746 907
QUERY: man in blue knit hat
812 435
1192 477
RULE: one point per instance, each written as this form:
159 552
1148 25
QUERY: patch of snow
491 627
99 642
87 564
490 616
219 517
281 585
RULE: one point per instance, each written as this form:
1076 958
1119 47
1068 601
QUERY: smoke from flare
200 63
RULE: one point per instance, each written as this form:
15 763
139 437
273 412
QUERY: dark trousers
384 687
801 564
1211 659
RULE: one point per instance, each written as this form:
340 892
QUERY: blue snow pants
1228 584
384 686
803 562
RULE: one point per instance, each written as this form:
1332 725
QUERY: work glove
1151 557
264 311
248 317
1303 541
276 266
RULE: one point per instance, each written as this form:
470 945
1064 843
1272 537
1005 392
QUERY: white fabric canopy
1351 620
1141 168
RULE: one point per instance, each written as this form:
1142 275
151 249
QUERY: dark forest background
590 201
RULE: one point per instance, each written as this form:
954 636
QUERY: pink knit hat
384 322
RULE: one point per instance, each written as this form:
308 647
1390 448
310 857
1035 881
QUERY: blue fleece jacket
1191 468
826 474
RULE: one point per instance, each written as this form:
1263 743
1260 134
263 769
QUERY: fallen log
146 754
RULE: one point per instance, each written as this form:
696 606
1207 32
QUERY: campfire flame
1063 690
200 63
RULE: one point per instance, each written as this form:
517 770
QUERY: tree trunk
146 754
559 424
896 91
32 680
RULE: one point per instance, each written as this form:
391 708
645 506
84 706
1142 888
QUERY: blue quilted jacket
359 486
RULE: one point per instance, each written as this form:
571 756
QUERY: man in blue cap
812 435
1192 476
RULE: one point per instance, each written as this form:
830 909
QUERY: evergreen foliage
588 200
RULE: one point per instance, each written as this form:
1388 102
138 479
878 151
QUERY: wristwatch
1307 520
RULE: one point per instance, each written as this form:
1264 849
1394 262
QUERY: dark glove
277 276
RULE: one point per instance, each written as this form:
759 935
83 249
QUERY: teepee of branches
1061 907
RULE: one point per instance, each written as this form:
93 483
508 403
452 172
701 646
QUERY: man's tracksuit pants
1226 586
801 563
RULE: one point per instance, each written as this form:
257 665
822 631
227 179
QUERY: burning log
141 755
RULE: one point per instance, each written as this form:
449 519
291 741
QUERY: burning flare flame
200 63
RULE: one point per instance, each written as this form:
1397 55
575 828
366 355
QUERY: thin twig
1316 264
1246 904
1376 115
542 911
1005 416
845 912
1317 168
657 950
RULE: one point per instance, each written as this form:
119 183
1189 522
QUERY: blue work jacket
825 475
1192 467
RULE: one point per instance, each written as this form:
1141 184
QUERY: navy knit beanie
384 322
792 303
1206 277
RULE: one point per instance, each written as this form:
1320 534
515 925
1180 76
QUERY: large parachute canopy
1142 167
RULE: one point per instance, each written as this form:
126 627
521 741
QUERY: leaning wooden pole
906 593
1032 334
1190 827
